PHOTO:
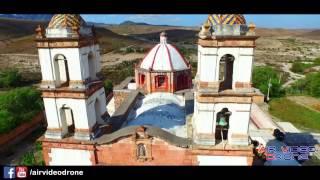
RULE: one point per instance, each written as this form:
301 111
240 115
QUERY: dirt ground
111 59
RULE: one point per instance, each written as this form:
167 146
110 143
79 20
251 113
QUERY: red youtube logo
21 172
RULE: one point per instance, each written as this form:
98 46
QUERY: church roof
231 19
164 57
66 20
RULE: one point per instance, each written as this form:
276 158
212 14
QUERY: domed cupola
164 57
65 21
225 25
67 25
163 69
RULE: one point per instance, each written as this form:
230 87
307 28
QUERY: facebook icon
9 172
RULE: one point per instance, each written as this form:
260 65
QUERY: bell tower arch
70 63
223 93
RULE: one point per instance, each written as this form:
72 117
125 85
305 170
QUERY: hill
133 23
126 29
33 17
17 36
314 34
174 35
14 28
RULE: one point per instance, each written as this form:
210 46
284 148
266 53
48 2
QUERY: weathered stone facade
160 149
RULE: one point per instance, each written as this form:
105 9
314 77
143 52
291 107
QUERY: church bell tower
224 94
73 94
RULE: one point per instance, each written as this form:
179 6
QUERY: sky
291 21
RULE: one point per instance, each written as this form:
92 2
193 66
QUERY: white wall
83 110
207 63
77 60
209 58
245 63
51 112
73 61
204 118
222 160
69 157
205 115
45 64
84 51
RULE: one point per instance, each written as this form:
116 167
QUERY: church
158 117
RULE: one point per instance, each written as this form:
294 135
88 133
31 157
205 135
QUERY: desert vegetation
310 85
119 72
302 67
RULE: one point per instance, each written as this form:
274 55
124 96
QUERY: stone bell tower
224 94
73 94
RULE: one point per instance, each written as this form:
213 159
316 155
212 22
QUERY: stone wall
121 92
120 96
159 152
123 152
121 113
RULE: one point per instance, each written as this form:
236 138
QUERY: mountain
314 34
33 17
133 23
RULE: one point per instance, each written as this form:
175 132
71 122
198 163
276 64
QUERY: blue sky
262 20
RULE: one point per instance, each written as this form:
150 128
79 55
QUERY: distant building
158 118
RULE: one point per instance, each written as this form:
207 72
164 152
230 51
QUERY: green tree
18 106
261 77
10 78
309 85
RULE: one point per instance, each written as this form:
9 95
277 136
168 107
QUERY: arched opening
222 125
161 82
142 78
67 120
61 70
226 72
97 110
92 67
141 151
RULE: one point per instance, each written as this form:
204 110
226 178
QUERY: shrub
108 86
28 159
316 61
34 157
18 106
260 79
10 78
299 67
309 85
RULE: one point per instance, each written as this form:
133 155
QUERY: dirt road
292 76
